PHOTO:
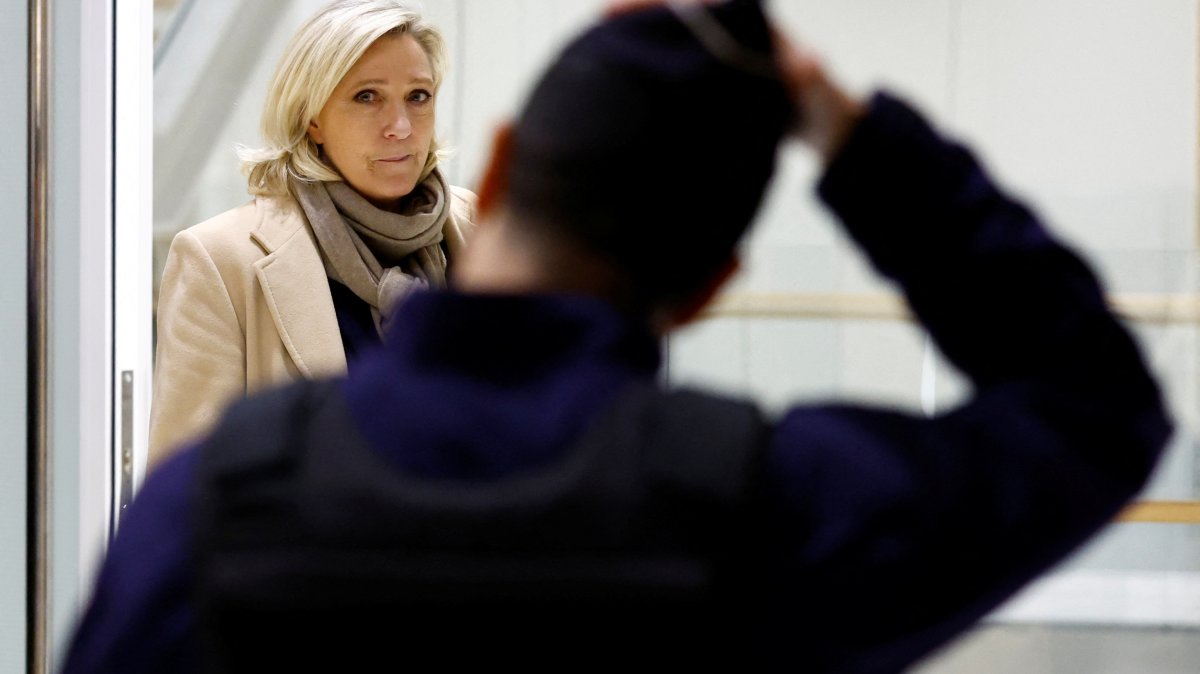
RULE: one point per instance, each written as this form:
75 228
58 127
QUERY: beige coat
244 304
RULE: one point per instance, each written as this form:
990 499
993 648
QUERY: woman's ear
494 186
315 133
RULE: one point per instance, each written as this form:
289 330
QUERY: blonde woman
350 213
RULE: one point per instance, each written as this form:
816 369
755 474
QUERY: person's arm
141 618
200 363
898 531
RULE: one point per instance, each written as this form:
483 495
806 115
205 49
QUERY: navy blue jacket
892 531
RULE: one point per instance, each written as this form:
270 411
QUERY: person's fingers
799 70
798 67
619 7
825 112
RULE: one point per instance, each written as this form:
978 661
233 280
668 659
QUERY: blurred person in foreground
504 483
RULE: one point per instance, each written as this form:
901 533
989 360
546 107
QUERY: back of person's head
320 54
651 140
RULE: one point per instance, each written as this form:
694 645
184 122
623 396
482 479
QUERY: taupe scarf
381 256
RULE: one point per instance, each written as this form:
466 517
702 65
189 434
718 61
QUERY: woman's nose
398 124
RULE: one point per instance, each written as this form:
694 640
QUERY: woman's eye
366 96
420 96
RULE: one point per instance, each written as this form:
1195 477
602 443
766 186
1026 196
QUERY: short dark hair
642 145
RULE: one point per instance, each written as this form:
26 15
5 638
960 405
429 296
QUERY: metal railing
1152 309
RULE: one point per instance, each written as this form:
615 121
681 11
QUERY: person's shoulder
161 511
461 223
261 430
463 203
230 234
221 226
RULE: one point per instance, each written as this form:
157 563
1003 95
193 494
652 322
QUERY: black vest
315 554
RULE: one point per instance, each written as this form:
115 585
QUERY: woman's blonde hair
318 57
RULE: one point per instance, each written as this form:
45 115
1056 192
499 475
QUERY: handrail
1160 309
1162 512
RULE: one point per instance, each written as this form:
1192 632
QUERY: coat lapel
296 289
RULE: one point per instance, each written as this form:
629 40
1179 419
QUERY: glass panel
13 410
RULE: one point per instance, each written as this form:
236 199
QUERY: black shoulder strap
247 465
701 440
258 433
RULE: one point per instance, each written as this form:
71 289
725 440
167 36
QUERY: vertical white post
95 285
133 233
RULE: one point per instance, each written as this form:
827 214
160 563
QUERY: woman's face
377 126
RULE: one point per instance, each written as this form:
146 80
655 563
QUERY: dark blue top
894 531
356 325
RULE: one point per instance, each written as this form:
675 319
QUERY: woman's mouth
395 159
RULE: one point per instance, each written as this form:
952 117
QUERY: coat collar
296 289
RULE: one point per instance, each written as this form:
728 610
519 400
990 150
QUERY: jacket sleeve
200 361
896 531
141 618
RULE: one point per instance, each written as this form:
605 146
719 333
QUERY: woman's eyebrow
376 81
369 82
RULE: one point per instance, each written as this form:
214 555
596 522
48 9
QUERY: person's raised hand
826 113
618 7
